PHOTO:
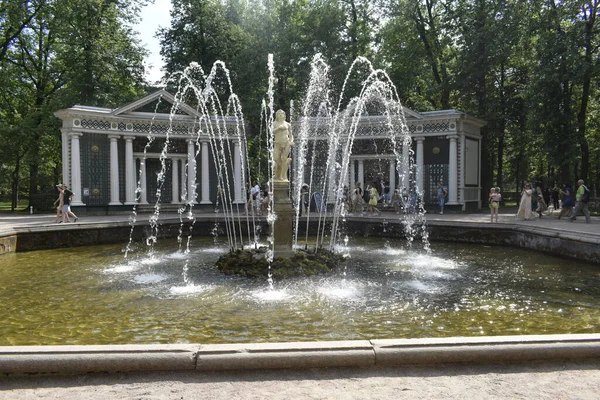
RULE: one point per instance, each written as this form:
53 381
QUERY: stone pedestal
283 227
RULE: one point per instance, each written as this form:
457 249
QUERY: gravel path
499 381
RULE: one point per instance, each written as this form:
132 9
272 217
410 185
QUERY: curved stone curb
83 359
574 242
360 353
486 349
352 353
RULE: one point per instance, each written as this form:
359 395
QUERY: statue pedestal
283 227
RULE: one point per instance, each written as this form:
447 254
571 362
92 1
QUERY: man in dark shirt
67 196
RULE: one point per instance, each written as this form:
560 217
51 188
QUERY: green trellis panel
434 173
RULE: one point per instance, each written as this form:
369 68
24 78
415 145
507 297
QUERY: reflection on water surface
94 296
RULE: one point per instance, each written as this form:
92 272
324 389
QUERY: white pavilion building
106 152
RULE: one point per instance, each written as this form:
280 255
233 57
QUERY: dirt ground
555 380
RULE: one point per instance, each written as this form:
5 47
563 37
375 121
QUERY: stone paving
554 380
9 221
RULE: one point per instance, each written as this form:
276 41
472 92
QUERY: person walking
568 201
397 201
265 201
59 204
546 194
541 205
534 196
373 200
582 197
66 211
387 196
442 193
255 199
357 199
304 197
554 195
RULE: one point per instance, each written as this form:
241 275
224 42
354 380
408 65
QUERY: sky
153 16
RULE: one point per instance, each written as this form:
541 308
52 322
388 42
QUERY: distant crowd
356 202
535 201
545 201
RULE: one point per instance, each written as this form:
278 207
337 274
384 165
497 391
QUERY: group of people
535 200
356 201
63 205
258 202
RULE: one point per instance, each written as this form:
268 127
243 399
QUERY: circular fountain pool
93 295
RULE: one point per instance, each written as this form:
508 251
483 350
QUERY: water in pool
92 295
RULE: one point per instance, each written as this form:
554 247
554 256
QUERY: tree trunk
428 34
501 129
500 173
585 92
15 184
33 184
487 164
518 177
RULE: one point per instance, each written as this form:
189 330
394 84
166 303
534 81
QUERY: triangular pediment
410 114
150 103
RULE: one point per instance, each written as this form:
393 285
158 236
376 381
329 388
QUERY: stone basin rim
575 241
26 360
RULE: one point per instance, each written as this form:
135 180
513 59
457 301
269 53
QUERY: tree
15 17
48 66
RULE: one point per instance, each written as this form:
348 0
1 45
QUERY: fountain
339 124
91 295
170 292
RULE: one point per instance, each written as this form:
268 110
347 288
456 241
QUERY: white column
129 171
143 183
76 169
205 174
66 172
392 176
350 174
405 174
175 180
183 186
419 160
114 171
191 183
361 174
453 171
237 173
461 174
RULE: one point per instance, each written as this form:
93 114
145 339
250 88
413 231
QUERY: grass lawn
5 206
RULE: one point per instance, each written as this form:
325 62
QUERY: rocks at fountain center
254 264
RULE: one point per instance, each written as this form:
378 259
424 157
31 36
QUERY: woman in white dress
524 212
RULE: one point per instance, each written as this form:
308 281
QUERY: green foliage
529 68
64 52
